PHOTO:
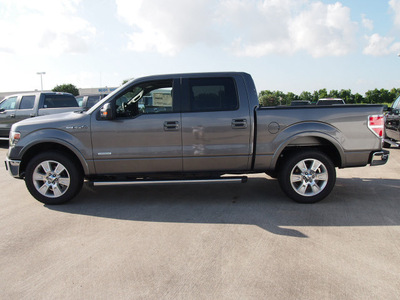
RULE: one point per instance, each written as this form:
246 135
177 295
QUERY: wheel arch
312 141
52 145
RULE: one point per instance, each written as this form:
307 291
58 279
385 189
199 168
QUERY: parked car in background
330 101
300 102
17 107
87 101
392 125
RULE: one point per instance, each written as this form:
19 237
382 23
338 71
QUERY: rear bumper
12 166
380 158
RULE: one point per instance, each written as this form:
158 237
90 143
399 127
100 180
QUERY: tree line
376 96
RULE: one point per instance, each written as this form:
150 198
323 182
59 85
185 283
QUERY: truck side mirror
107 112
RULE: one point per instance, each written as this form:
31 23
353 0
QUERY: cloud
395 6
367 23
324 30
379 45
43 27
243 27
167 26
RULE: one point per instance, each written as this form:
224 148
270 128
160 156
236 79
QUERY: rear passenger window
213 94
57 101
27 102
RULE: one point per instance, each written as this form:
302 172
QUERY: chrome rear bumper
380 158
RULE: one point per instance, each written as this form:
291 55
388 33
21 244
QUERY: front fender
78 143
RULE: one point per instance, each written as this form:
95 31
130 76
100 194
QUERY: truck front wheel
307 177
53 178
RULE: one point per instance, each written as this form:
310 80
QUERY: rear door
216 125
145 137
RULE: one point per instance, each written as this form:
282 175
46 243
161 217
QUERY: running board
242 179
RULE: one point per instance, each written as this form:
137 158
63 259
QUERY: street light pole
41 79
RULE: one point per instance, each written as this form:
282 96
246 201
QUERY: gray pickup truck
193 128
17 107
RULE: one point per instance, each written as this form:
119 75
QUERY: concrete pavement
216 241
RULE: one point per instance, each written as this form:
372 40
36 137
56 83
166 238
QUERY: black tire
307 176
53 178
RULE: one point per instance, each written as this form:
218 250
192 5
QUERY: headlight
14 137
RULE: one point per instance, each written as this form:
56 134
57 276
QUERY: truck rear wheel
308 176
53 178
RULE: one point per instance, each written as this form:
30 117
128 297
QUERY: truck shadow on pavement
260 202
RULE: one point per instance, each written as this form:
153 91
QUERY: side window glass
146 98
57 101
8 103
80 100
213 94
92 100
27 102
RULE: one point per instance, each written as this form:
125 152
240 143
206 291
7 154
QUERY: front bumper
380 158
12 166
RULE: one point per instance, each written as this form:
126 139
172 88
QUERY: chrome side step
241 179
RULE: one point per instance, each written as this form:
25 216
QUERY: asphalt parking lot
219 241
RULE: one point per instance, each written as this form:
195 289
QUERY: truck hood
54 121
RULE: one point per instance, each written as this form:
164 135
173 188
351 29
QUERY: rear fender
310 134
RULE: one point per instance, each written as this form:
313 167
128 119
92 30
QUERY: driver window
146 98
8 103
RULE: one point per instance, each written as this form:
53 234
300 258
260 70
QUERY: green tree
346 96
291 97
333 94
306 96
358 98
66 88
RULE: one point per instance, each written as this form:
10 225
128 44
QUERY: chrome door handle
239 123
171 125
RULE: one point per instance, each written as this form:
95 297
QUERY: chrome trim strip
241 179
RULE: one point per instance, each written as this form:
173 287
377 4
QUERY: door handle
239 123
171 125
12 116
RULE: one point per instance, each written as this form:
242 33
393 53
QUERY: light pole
41 79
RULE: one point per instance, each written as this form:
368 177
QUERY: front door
7 115
145 137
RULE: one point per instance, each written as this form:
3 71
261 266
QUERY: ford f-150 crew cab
193 127
17 107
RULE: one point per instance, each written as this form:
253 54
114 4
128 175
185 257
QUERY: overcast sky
287 45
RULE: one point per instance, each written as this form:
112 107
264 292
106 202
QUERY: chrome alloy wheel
51 179
309 177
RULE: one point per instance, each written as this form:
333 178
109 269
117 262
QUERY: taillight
376 124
